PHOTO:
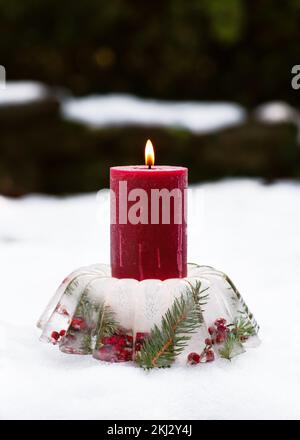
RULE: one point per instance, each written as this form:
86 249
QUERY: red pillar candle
148 221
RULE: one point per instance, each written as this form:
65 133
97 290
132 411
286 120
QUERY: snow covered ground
121 109
114 109
22 92
118 110
246 229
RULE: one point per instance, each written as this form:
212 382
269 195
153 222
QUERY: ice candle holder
116 320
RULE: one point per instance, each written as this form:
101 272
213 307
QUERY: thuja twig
239 332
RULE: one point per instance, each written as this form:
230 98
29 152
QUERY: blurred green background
197 50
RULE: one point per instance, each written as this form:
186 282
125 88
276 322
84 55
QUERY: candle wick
149 167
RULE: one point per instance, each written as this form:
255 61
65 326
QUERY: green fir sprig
107 323
178 324
200 299
86 343
86 308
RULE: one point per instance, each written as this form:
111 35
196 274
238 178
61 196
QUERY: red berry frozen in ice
54 337
122 355
122 341
220 321
62 333
211 330
210 356
220 337
104 354
78 324
208 341
138 346
114 340
222 328
141 336
193 358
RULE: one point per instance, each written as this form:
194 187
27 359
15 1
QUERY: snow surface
21 92
98 111
248 230
276 112
118 110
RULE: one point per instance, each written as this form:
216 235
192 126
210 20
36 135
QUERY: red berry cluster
207 355
56 336
119 347
193 358
218 333
78 324
116 348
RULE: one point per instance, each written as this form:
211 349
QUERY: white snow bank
20 92
99 111
248 230
276 111
118 110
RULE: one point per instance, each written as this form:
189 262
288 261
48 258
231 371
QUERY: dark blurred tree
241 50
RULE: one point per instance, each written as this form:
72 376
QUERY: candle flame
149 154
